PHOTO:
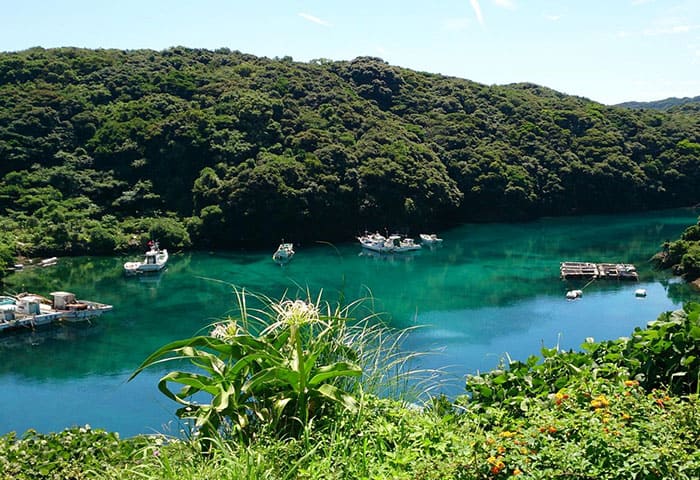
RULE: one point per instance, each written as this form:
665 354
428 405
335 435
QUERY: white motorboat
154 260
430 238
394 244
376 243
284 253
404 244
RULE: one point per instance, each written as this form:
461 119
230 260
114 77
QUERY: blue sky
606 50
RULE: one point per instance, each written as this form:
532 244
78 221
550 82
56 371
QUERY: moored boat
393 244
430 238
403 244
29 310
375 242
154 260
284 253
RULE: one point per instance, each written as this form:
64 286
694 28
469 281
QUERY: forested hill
664 104
103 148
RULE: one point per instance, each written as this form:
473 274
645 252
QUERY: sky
610 51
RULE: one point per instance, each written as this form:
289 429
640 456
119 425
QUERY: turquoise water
489 290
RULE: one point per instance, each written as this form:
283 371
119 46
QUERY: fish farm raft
589 270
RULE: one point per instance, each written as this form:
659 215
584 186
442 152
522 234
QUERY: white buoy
574 294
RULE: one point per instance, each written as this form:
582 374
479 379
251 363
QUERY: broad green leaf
337 395
339 369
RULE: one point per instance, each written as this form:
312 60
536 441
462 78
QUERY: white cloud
641 2
456 24
509 4
668 30
477 11
552 18
315 20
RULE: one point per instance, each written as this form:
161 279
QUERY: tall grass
285 366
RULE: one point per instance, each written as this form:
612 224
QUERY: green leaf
337 395
339 369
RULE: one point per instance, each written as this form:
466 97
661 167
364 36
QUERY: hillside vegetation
664 104
102 149
682 255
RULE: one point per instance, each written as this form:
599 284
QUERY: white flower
297 312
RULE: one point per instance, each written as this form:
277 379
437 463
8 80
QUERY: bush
666 354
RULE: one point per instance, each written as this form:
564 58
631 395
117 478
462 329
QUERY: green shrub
665 354
281 369
76 453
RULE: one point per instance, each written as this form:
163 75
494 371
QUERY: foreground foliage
282 368
624 409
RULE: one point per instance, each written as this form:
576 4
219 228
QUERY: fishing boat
375 242
30 310
430 238
393 244
403 244
154 260
284 253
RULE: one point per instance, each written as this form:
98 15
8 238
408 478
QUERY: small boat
284 253
29 310
640 293
376 243
394 244
48 262
430 238
154 261
401 245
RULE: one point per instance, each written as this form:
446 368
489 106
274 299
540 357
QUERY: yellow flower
631 383
507 434
501 449
600 402
517 471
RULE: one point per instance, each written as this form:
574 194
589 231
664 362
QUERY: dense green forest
102 149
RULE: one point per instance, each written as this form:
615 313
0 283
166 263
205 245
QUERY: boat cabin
7 313
29 305
63 300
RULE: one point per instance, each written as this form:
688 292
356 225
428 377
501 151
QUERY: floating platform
590 271
28 311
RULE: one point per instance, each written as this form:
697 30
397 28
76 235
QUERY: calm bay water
489 290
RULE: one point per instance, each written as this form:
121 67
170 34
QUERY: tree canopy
228 149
